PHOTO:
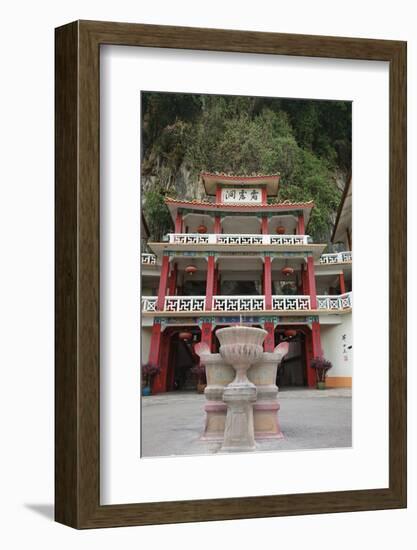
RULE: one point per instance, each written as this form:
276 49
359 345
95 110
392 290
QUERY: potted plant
199 371
148 372
321 367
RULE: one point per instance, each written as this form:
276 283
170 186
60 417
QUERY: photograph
246 274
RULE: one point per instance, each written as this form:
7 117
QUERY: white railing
336 258
148 259
238 303
232 238
188 238
247 303
343 301
149 303
290 303
185 303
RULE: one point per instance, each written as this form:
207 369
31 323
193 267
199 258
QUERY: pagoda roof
211 207
212 180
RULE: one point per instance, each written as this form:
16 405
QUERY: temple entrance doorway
293 369
182 359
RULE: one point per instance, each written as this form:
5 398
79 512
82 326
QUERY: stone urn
240 347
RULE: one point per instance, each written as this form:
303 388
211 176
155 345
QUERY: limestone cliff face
182 182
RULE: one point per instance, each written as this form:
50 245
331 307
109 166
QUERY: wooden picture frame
77 406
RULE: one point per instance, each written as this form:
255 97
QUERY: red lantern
184 336
290 333
287 271
280 230
202 229
190 269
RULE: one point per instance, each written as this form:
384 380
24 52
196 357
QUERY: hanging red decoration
184 336
287 271
290 333
190 269
280 230
202 229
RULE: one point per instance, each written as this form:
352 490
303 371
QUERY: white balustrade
238 238
342 301
238 303
247 303
184 303
149 303
148 259
346 300
290 303
189 238
225 238
288 239
336 258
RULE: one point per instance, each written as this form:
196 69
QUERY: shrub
321 366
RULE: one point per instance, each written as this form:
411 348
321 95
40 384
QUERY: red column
269 342
311 375
315 329
300 225
159 383
264 225
316 340
267 282
264 195
210 282
218 194
178 223
342 283
311 281
207 334
217 224
305 280
155 350
216 282
155 344
173 281
163 281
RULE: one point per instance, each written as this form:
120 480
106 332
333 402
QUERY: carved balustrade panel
148 259
238 303
290 303
149 303
184 303
336 258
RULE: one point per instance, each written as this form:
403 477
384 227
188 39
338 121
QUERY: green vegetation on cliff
307 142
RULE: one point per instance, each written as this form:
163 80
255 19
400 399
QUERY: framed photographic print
230 274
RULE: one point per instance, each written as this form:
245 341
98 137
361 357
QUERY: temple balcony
230 305
222 243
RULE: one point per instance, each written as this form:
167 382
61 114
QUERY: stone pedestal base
239 433
266 423
215 421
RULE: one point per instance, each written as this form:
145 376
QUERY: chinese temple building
240 257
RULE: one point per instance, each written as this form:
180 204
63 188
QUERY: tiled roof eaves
211 175
214 206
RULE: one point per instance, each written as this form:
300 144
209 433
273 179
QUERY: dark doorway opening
293 369
182 359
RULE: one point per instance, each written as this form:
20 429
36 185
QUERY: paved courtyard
310 419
